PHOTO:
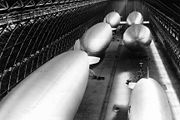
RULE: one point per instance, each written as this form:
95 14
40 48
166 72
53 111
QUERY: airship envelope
113 18
95 40
134 18
137 36
52 92
149 101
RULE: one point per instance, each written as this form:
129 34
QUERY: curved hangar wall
38 32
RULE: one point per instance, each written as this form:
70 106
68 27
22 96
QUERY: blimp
134 17
52 92
95 40
119 98
149 101
137 36
113 18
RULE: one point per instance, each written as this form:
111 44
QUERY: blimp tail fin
131 85
125 22
93 60
104 20
146 22
113 29
77 45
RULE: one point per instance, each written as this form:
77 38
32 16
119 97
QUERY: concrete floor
119 65
94 98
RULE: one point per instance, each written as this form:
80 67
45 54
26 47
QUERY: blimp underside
89 60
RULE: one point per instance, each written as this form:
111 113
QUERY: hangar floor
118 66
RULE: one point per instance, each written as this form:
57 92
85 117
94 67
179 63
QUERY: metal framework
169 7
167 30
34 31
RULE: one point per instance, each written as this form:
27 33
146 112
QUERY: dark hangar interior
34 32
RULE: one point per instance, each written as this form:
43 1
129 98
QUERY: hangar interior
32 32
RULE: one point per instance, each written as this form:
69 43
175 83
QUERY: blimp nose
137 36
